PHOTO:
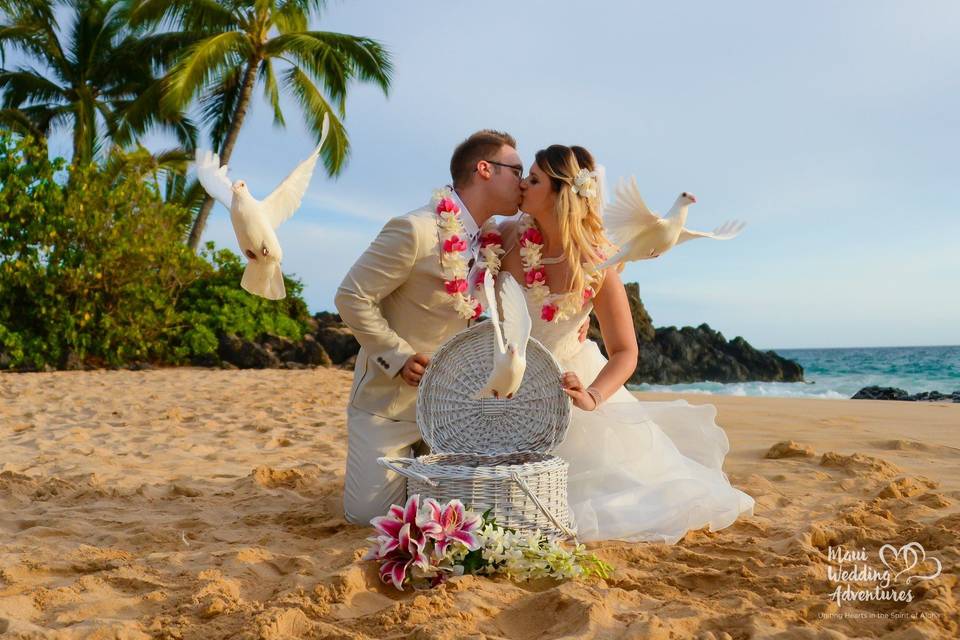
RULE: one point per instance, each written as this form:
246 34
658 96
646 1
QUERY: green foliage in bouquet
425 544
94 270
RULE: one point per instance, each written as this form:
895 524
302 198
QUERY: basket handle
391 463
530 494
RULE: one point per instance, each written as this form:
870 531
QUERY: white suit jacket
393 298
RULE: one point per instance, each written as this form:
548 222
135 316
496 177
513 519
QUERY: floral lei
555 306
454 247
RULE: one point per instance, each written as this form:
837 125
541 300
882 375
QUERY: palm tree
97 78
239 44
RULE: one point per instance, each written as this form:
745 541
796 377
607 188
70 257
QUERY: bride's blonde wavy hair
581 227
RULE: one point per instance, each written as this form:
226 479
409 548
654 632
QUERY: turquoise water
840 373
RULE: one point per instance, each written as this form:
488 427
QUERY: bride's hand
574 388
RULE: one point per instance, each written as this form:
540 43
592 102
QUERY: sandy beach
197 503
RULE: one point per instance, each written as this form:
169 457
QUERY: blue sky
831 128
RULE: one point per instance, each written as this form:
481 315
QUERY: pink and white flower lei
554 306
454 247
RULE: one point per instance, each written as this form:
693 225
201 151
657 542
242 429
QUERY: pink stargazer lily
400 543
449 524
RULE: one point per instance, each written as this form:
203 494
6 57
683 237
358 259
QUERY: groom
394 300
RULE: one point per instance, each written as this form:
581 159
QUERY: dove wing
516 317
491 294
726 231
286 198
213 177
626 216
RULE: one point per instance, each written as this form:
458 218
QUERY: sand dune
191 503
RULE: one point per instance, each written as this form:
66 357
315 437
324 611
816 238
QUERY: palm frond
188 193
159 50
200 16
27 85
32 35
203 63
290 17
368 59
313 104
323 63
271 92
310 7
96 31
18 120
218 106
140 115
334 59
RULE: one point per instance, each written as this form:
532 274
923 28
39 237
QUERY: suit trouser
368 488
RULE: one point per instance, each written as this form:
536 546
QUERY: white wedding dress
639 471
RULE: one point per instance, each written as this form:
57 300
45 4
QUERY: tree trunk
249 80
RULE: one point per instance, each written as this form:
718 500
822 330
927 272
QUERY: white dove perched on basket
255 221
641 234
510 345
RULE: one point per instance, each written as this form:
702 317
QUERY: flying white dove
510 347
254 221
641 234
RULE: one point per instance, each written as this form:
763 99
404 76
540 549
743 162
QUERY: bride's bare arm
619 335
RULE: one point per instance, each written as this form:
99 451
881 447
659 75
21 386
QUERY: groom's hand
414 367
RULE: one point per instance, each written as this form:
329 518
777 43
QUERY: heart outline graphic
909 552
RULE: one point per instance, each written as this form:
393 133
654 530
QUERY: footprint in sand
790 449
907 487
860 465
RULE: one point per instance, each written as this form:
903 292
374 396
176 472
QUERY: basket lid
452 421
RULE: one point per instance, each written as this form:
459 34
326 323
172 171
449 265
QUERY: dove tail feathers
486 392
264 279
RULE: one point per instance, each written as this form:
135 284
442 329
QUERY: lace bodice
560 337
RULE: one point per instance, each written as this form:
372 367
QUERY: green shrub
215 305
93 269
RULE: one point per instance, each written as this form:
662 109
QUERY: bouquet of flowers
425 544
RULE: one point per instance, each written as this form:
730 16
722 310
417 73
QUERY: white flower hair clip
585 184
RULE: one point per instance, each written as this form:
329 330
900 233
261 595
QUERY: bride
638 470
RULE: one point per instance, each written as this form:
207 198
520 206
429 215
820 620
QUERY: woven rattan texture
484 482
452 421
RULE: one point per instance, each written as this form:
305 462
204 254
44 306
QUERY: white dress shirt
471 228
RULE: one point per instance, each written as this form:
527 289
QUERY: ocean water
840 373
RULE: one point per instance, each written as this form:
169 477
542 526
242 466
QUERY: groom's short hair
479 146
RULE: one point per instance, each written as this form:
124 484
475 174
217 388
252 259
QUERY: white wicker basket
492 453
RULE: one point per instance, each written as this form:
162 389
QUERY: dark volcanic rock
936 396
328 341
272 351
311 352
335 337
880 393
892 393
71 361
246 354
668 355
642 322
284 348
